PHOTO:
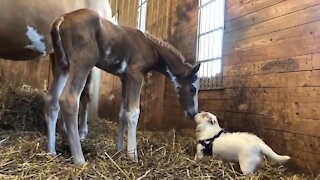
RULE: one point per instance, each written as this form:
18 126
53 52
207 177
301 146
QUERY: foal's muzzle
191 115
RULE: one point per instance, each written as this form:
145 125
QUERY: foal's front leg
122 119
131 111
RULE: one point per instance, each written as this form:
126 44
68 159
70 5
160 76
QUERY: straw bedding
163 155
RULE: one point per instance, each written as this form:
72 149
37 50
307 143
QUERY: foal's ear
195 69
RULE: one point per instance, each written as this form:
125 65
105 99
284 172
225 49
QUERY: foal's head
183 75
187 88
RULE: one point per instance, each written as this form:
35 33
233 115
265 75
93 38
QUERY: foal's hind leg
69 102
52 107
83 111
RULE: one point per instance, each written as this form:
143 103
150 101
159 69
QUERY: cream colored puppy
243 147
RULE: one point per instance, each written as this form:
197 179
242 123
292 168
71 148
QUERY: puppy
243 147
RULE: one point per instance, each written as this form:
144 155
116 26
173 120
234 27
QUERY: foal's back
109 45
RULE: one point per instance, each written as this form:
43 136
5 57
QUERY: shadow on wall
183 19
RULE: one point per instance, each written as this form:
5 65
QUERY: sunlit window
209 42
142 15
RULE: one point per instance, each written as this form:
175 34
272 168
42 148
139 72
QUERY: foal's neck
169 58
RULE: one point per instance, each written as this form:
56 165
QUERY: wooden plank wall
271 74
34 73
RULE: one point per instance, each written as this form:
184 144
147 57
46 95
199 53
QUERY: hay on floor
162 155
21 108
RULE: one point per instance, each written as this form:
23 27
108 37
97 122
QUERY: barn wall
34 73
271 74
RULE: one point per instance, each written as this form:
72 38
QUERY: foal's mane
166 45
163 44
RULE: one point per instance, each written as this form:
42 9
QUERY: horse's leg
69 103
84 101
132 110
51 110
122 119
83 114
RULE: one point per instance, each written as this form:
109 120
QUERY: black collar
208 147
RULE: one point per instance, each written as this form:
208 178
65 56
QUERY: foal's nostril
191 115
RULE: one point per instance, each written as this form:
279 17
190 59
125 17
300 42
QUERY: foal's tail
271 154
60 54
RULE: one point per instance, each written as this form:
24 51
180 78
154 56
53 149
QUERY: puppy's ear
211 120
204 115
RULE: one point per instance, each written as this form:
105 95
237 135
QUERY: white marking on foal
123 67
36 39
174 80
108 51
132 118
120 138
196 84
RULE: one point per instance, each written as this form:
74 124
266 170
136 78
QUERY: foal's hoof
78 161
133 157
83 136
54 153
120 147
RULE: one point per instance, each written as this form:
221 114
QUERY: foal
82 39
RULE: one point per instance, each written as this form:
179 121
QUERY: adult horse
25 35
82 39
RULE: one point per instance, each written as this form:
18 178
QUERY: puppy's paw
198 156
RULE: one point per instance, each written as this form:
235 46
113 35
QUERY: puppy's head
206 117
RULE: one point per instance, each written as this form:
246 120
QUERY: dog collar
208 147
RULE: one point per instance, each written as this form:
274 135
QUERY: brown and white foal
82 39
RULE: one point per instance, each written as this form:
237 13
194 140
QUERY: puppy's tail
271 154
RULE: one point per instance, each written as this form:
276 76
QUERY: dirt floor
163 155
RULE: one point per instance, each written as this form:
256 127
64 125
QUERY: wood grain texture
271 12
279 65
285 50
285 36
304 16
241 8
34 73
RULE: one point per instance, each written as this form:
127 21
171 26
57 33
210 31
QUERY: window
142 15
209 43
